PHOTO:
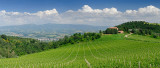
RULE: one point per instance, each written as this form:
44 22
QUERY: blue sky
88 12
64 5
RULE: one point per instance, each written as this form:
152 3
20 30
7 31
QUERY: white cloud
85 15
111 11
88 9
146 10
149 9
47 12
131 11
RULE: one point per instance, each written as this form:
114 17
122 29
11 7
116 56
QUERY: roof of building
120 31
113 27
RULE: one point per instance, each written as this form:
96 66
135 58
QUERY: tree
150 32
100 31
55 45
154 36
33 41
66 39
111 31
4 36
133 31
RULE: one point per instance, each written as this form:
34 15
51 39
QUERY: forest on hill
141 28
154 27
136 27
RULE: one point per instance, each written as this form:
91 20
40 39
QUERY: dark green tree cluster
141 31
140 27
155 27
110 31
15 46
76 38
6 50
156 35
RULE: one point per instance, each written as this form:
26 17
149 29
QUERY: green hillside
110 51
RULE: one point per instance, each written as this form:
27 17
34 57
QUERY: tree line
11 46
110 31
76 38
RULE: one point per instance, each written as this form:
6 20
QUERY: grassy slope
143 38
108 51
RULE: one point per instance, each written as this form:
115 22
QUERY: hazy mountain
51 28
39 31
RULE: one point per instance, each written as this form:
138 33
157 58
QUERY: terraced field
110 51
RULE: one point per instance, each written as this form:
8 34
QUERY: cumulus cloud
146 10
88 9
85 15
149 9
47 12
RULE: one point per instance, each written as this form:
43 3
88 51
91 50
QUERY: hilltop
143 26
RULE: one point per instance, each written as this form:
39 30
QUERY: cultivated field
110 51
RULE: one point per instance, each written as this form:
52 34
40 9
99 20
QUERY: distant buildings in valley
46 39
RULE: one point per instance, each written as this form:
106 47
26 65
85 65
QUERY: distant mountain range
39 31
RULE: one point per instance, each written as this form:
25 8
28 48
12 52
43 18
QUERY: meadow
110 51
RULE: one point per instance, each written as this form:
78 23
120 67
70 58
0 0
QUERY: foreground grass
110 51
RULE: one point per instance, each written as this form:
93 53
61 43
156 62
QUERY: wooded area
141 28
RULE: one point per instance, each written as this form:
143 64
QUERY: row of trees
76 38
141 31
15 46
110 31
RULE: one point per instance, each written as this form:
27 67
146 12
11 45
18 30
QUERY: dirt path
128 35
89 65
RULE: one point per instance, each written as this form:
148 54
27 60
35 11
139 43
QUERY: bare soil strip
89 65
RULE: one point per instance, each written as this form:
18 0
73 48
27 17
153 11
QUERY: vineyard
110 51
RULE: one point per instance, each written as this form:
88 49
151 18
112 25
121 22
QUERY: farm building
113 28
119 31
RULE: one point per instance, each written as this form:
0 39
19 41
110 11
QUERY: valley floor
110 51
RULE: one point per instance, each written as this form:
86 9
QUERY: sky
89 12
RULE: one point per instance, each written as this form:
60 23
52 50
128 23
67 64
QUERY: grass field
110 51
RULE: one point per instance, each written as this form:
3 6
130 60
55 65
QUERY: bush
4 37
154 36
1 57
110 31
